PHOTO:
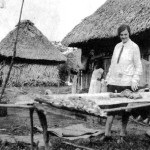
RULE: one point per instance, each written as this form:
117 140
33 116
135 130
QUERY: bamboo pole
81 80
14 54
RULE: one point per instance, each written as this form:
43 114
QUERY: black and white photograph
74 74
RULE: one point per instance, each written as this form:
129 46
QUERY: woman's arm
138 68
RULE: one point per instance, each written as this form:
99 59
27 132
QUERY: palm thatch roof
103 23
32 44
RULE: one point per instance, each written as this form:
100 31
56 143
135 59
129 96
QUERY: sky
54 18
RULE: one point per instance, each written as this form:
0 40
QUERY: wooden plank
84 95
56 111
126 108
16 106
71 109
99 99
94 111
64 111
114 101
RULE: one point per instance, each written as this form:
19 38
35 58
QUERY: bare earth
17 122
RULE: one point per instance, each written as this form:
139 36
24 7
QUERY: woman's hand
134 86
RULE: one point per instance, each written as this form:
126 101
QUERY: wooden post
74 85
69 76
43 122
86 80
81 80
58 85
32 135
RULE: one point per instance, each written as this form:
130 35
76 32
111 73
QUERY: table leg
31 121
43 122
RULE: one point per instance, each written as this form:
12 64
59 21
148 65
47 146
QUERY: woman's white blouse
128 69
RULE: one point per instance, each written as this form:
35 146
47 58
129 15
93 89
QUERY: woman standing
124 73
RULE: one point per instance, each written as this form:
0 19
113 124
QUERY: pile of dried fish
72 102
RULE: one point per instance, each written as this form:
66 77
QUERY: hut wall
31 75
145 78
145 53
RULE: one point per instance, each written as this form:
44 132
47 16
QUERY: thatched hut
36 61
98 31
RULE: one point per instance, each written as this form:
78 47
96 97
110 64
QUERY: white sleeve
138 64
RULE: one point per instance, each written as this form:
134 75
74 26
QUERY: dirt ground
17 122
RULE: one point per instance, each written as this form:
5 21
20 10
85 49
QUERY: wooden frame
42 112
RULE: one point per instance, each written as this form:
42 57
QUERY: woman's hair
124 27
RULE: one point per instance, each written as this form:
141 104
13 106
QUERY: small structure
98 31
36 61
74 66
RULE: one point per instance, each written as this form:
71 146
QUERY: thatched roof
32 44
104 22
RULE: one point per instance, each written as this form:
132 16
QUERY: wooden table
43 108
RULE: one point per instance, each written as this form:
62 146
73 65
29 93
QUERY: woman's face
124 36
